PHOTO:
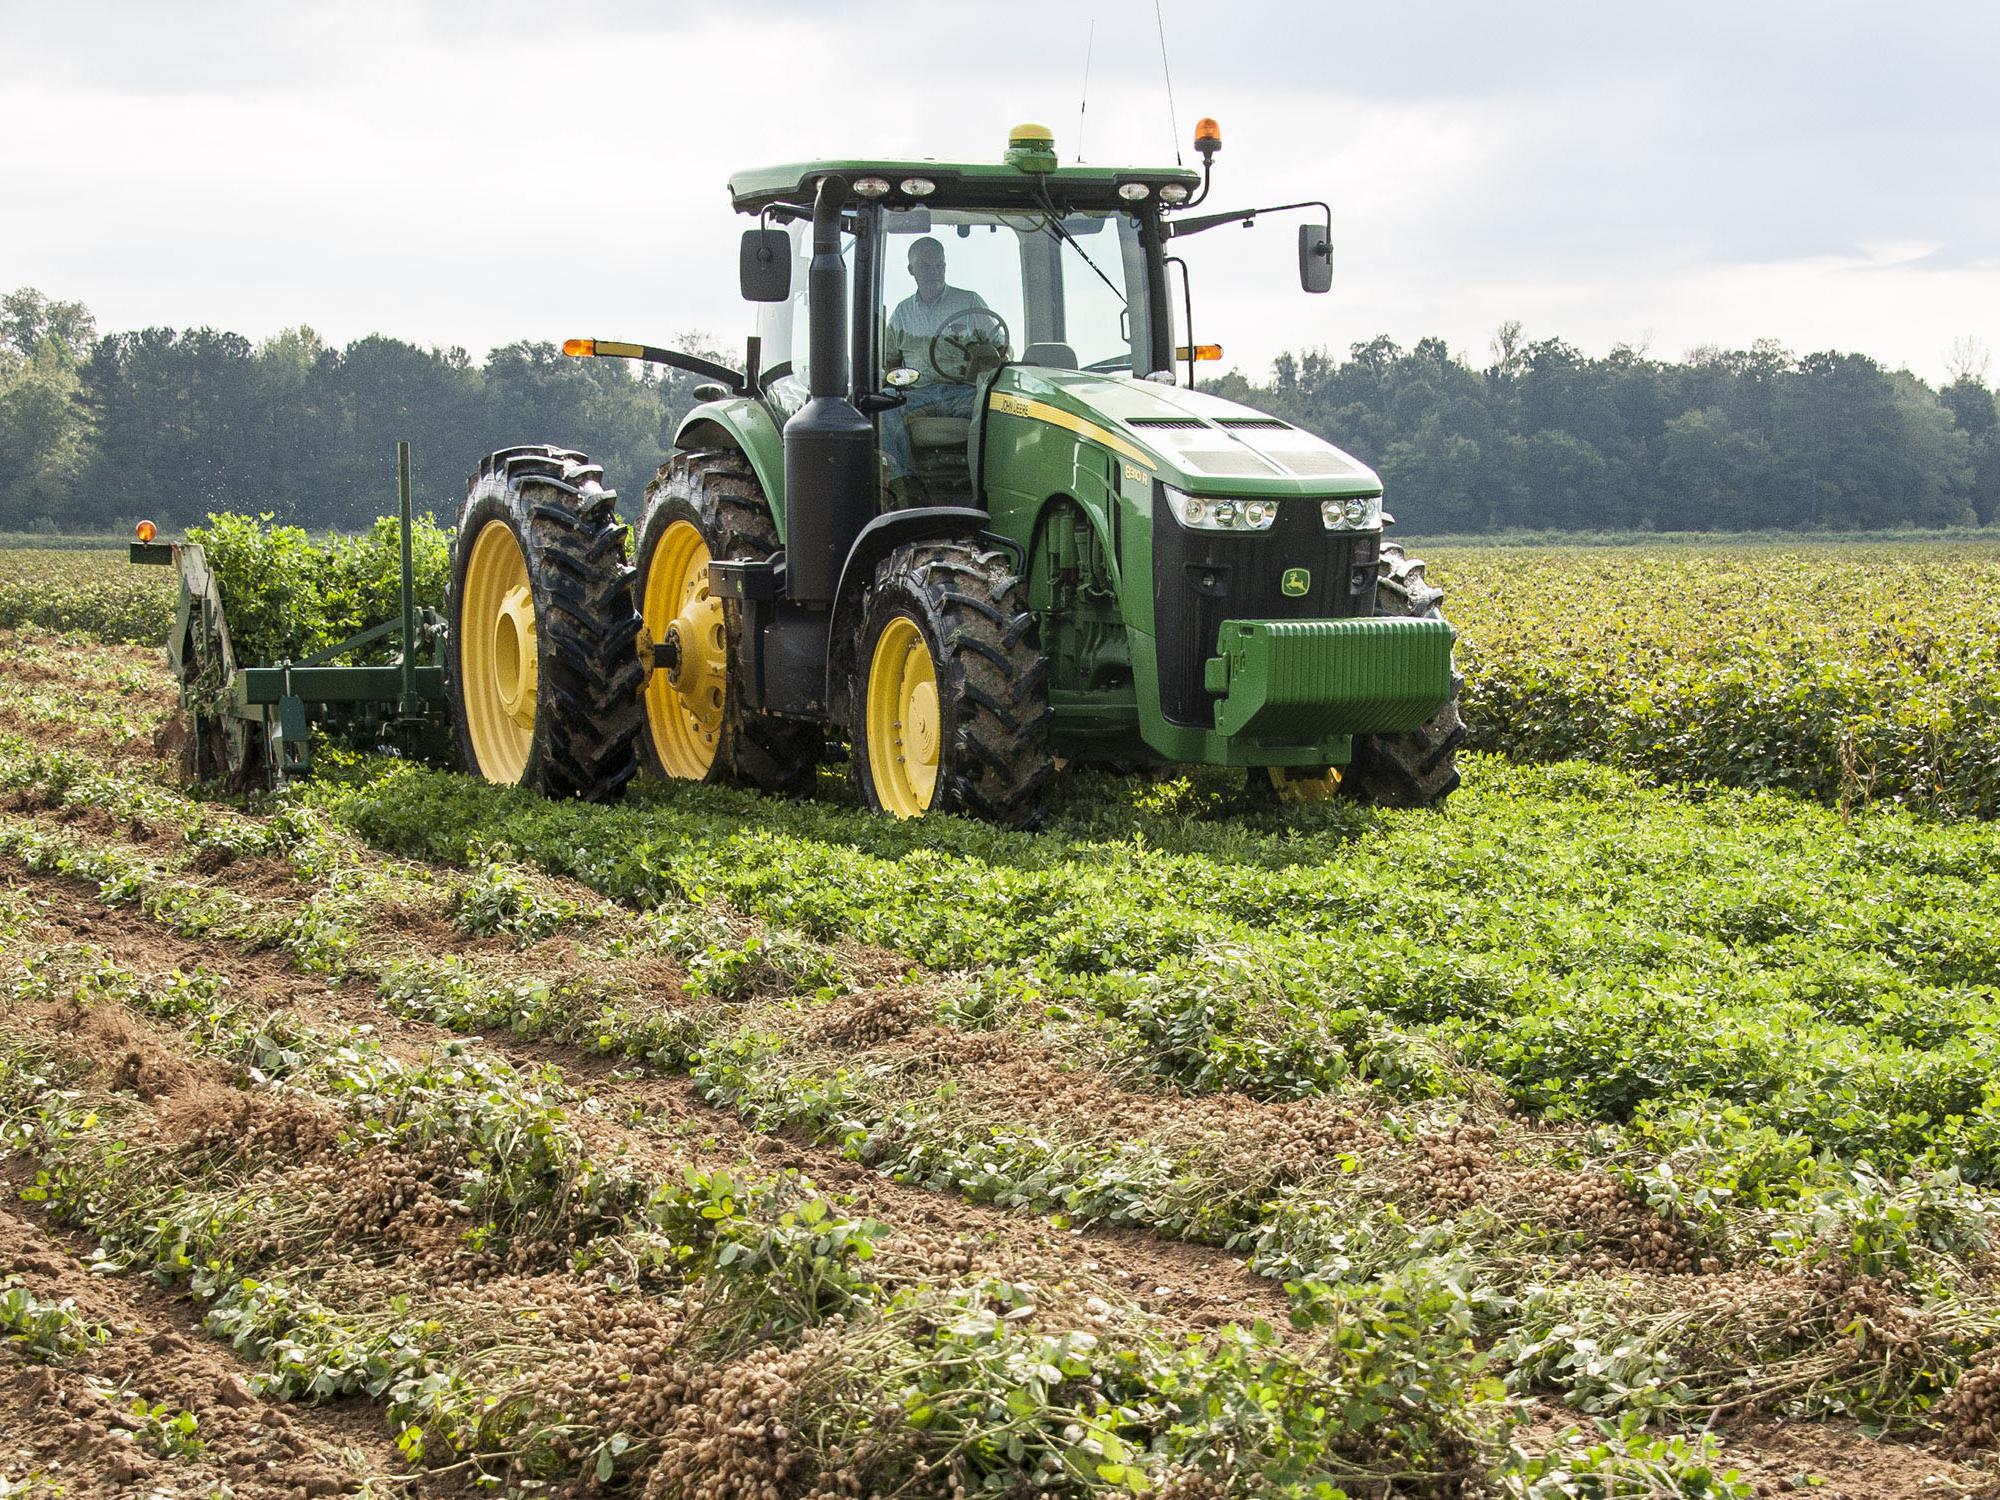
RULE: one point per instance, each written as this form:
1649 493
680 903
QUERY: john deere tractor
964 509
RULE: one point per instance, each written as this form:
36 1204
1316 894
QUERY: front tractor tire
1418 768
542 666
948 700
703 506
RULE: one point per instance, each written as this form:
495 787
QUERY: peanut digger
961 508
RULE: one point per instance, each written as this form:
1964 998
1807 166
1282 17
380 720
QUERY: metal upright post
410 706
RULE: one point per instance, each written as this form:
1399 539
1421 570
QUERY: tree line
98 429
1543 437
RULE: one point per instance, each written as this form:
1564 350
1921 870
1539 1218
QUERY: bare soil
71 1423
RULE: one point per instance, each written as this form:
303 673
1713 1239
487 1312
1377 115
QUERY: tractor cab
954 274
964 509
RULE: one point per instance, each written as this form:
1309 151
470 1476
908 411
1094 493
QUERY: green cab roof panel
959 184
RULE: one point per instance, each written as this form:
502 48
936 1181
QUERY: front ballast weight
252 726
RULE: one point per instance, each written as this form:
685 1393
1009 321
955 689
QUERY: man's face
927 267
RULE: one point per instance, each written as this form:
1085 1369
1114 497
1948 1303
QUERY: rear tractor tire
948 701
1418 768
542 664
703 506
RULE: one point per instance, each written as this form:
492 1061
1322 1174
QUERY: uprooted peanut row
1553 1259
591 1315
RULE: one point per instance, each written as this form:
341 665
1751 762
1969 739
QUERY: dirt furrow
1192 1285
111 1417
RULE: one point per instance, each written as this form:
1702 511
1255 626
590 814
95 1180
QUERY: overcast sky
1823 174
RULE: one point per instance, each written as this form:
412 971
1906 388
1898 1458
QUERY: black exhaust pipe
832 473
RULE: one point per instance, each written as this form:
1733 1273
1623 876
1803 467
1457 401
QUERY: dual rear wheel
540 670
705 506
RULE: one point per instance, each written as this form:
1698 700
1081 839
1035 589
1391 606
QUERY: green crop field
1842 672
1629 1127
94 593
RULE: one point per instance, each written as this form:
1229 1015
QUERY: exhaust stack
832 473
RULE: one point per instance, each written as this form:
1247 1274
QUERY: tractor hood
1196 442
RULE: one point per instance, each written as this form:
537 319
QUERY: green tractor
964 509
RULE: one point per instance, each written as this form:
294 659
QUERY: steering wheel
983 344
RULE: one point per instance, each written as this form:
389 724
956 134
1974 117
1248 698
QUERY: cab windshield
965 291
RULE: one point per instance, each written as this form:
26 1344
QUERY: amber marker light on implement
145 531
579 348
1201 351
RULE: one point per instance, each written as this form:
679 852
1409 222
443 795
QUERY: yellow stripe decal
620 351
1055 416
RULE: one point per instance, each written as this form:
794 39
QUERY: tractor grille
1201 578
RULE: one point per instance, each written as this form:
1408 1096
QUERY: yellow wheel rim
904 730
497 654
689 686
1301 785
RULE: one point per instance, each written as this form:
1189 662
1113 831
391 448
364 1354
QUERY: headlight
1173 192
1221 515
1352 515
1133 192
918 187
871 187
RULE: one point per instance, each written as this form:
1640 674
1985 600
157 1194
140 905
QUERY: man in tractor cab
907 345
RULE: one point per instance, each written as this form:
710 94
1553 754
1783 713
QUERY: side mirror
1315 258
766 265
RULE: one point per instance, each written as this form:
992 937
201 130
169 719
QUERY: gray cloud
1710 171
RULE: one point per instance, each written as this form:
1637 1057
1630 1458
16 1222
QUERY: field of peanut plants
1629 1128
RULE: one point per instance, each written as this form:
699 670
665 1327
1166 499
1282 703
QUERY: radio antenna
1173 118
1084 104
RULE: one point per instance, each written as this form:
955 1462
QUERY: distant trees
1973 412
173 423
45 420
1544 437
95 430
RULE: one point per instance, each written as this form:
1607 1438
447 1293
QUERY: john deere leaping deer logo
1295 582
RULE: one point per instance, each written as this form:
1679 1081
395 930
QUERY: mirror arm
1245 217
693 364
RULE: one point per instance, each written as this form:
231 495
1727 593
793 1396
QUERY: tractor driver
908 343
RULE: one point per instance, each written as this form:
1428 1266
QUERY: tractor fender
748 427
880 537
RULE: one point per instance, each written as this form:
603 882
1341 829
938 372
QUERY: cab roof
959 184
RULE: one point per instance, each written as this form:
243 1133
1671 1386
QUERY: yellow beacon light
579 348
145 531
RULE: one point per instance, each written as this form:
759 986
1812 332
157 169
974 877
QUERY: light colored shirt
913 323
